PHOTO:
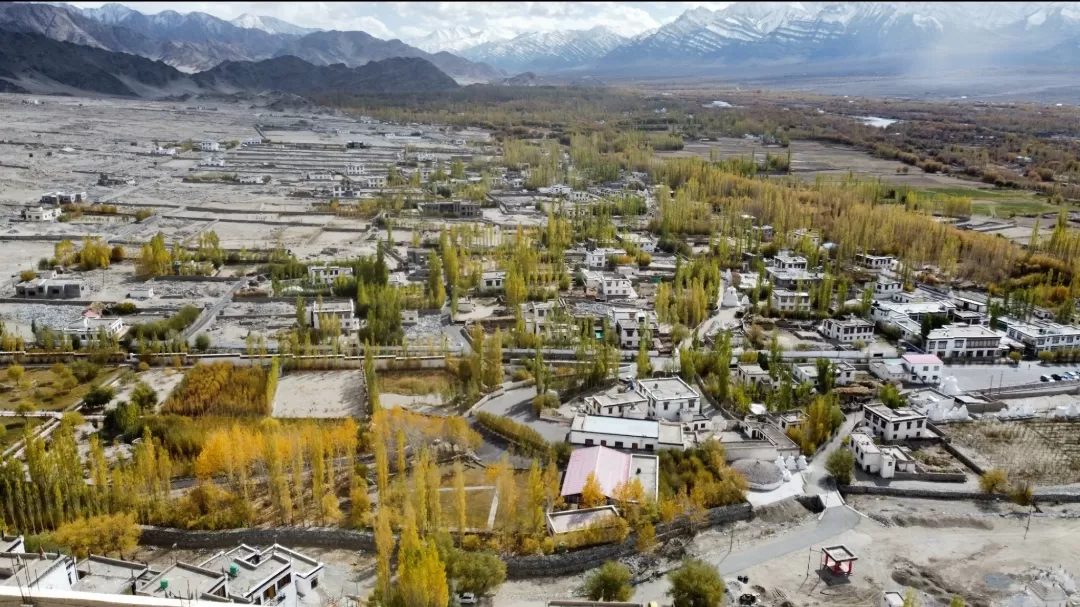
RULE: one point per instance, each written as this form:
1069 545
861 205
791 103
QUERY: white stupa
731 298
950 386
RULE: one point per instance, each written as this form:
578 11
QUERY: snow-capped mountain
794 31
455 39
547 50
271 25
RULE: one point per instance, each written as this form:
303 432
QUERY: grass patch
14 427
999 203
415 383
39 386
477 508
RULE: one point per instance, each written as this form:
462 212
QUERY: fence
945 494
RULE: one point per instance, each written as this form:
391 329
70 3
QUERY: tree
841 465
646 537
117 254
826 378
1015 357
476 572
202 342
16 373
25 408
644 363
592 494
995 480
957 601
384 546
144 397
460 508
891 397
98 397
611 582
696 584
103 534
436 291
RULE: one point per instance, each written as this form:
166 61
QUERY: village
567 371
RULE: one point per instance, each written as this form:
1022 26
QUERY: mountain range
34 63
743 38
195 41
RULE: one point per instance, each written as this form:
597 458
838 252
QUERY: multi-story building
887 286
209 146
875 262
355 168
843 373
328 274
492 281
922 368
1043 336
790 301
642 242
632 325
785 260
597 258
89 330
895 424
963 341
344 310
50 287
614 286
847 330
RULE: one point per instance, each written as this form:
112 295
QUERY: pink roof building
612 468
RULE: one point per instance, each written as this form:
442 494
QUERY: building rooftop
251 568
758 472
611 468
894 415
183 581
110 576
670 434
865 443
576 520
607 399
839 553
617 425
961 331
668 388
921 359
16 568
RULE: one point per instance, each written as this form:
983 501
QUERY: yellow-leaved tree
592 494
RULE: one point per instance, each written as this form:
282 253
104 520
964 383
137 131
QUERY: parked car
1055 376
466 598
1045 378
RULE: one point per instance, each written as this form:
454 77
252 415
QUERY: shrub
548 400
528 440
611 582
1022 495
696 584
220 388
476 572
994 481
841 465
202 342
470 542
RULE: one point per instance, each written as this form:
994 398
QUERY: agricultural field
1043 451
320 394
998 203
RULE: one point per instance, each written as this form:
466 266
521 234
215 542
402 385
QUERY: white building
160 151
318 176
669 398
617 287
354 168
1039 336
597 258
847 330
250 180
752 374
875 262
625 433
144 292
887 286
325 274
212 161
372 182
593 279
209 146
790 301
251 141
963 341
343 309
883 460
40 214
90 329
631 325
539 320
641 241
895 424
843 373
922 368
785 260
492 280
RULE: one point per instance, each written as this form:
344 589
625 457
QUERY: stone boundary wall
516 567
198 279
309 537
932 477
588 558
945 494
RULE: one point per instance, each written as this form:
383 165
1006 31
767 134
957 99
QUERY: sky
410 20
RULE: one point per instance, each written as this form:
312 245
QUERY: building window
618 444
603 443
896 426
588 442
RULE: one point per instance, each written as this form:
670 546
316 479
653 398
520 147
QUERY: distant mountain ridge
197 41
34 63
547 50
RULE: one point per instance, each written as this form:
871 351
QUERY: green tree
16 374
476 572
144 397
696 584
202 342
611 582
826 378
841 465
98 397
436 291
891 397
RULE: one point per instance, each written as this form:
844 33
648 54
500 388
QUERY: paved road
517 405
836 521
982 377
209 314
